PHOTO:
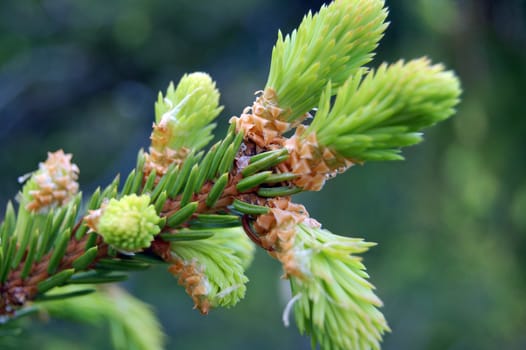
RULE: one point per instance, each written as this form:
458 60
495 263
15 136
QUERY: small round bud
129 223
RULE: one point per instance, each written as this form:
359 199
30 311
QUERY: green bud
184 114
214 267
333 301
328 46
129 223
377 113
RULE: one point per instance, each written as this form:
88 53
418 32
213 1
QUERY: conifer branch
198 211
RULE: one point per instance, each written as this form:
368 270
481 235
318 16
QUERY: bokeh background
450 221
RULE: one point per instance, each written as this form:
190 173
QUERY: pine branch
17 291
198 211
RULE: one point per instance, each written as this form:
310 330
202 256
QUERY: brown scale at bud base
161 161
190 276
312 162
277 231
262 123
161 156
93 217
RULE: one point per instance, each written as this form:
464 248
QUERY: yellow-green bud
129 223
183 117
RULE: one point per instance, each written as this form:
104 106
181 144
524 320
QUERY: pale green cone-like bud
129 223
328 46
333 302
183 116
377 113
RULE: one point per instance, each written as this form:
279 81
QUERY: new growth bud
328 46
334 302
52 185
212 270
183 121
128 224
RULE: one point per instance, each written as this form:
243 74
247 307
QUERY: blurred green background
450 221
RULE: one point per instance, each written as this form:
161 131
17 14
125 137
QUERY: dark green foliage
186 235
190 187
148 185
217 220
253 181
278 191
62 296
95 277
30 258
247 208
59 249
159 202
264 161
183 174
217 190
182 214
23 240
55 280
121 265
82 262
